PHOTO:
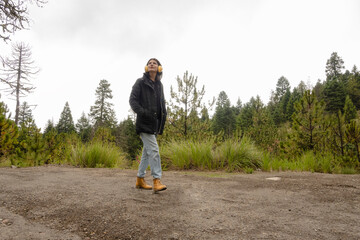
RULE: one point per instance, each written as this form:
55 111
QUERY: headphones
159 69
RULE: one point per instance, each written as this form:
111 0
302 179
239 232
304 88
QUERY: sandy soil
71 203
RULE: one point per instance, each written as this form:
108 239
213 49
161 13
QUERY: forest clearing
54 202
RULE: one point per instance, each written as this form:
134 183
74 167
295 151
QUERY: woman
148 102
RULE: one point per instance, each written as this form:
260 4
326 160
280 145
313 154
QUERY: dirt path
72 203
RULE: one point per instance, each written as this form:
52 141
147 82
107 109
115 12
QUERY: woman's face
153 66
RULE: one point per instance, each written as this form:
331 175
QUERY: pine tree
66 123
334 66
17 73
25 113
51 144
184 105
349 110
50 126
338 133
31 148
279 101
28 126
245 118
224 118
102 113
334 95
283 106
318 90
127 139
238 107
302 88
205 114
104 135
263 129
8 133
84 128
290 109
308 122
353 135
334 89
282 86
353 87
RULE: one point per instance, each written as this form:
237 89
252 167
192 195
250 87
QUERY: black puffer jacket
143 103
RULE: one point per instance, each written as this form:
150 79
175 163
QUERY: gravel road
54 202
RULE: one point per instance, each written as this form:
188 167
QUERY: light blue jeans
150 155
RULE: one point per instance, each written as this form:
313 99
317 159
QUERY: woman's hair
158 62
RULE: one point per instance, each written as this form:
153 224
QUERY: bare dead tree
14 15
17 72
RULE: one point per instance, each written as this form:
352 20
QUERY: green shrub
325 163
242 155
187 155
60 147
248 170
232 155
201 155
97 155
309 162
176 154
237 155
349 170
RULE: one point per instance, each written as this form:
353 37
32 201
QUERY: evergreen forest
301 128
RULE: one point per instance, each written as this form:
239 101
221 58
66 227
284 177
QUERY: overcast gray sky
240 47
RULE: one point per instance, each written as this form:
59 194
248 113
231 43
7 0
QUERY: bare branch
14 16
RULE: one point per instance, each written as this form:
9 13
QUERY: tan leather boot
140 183
158 186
